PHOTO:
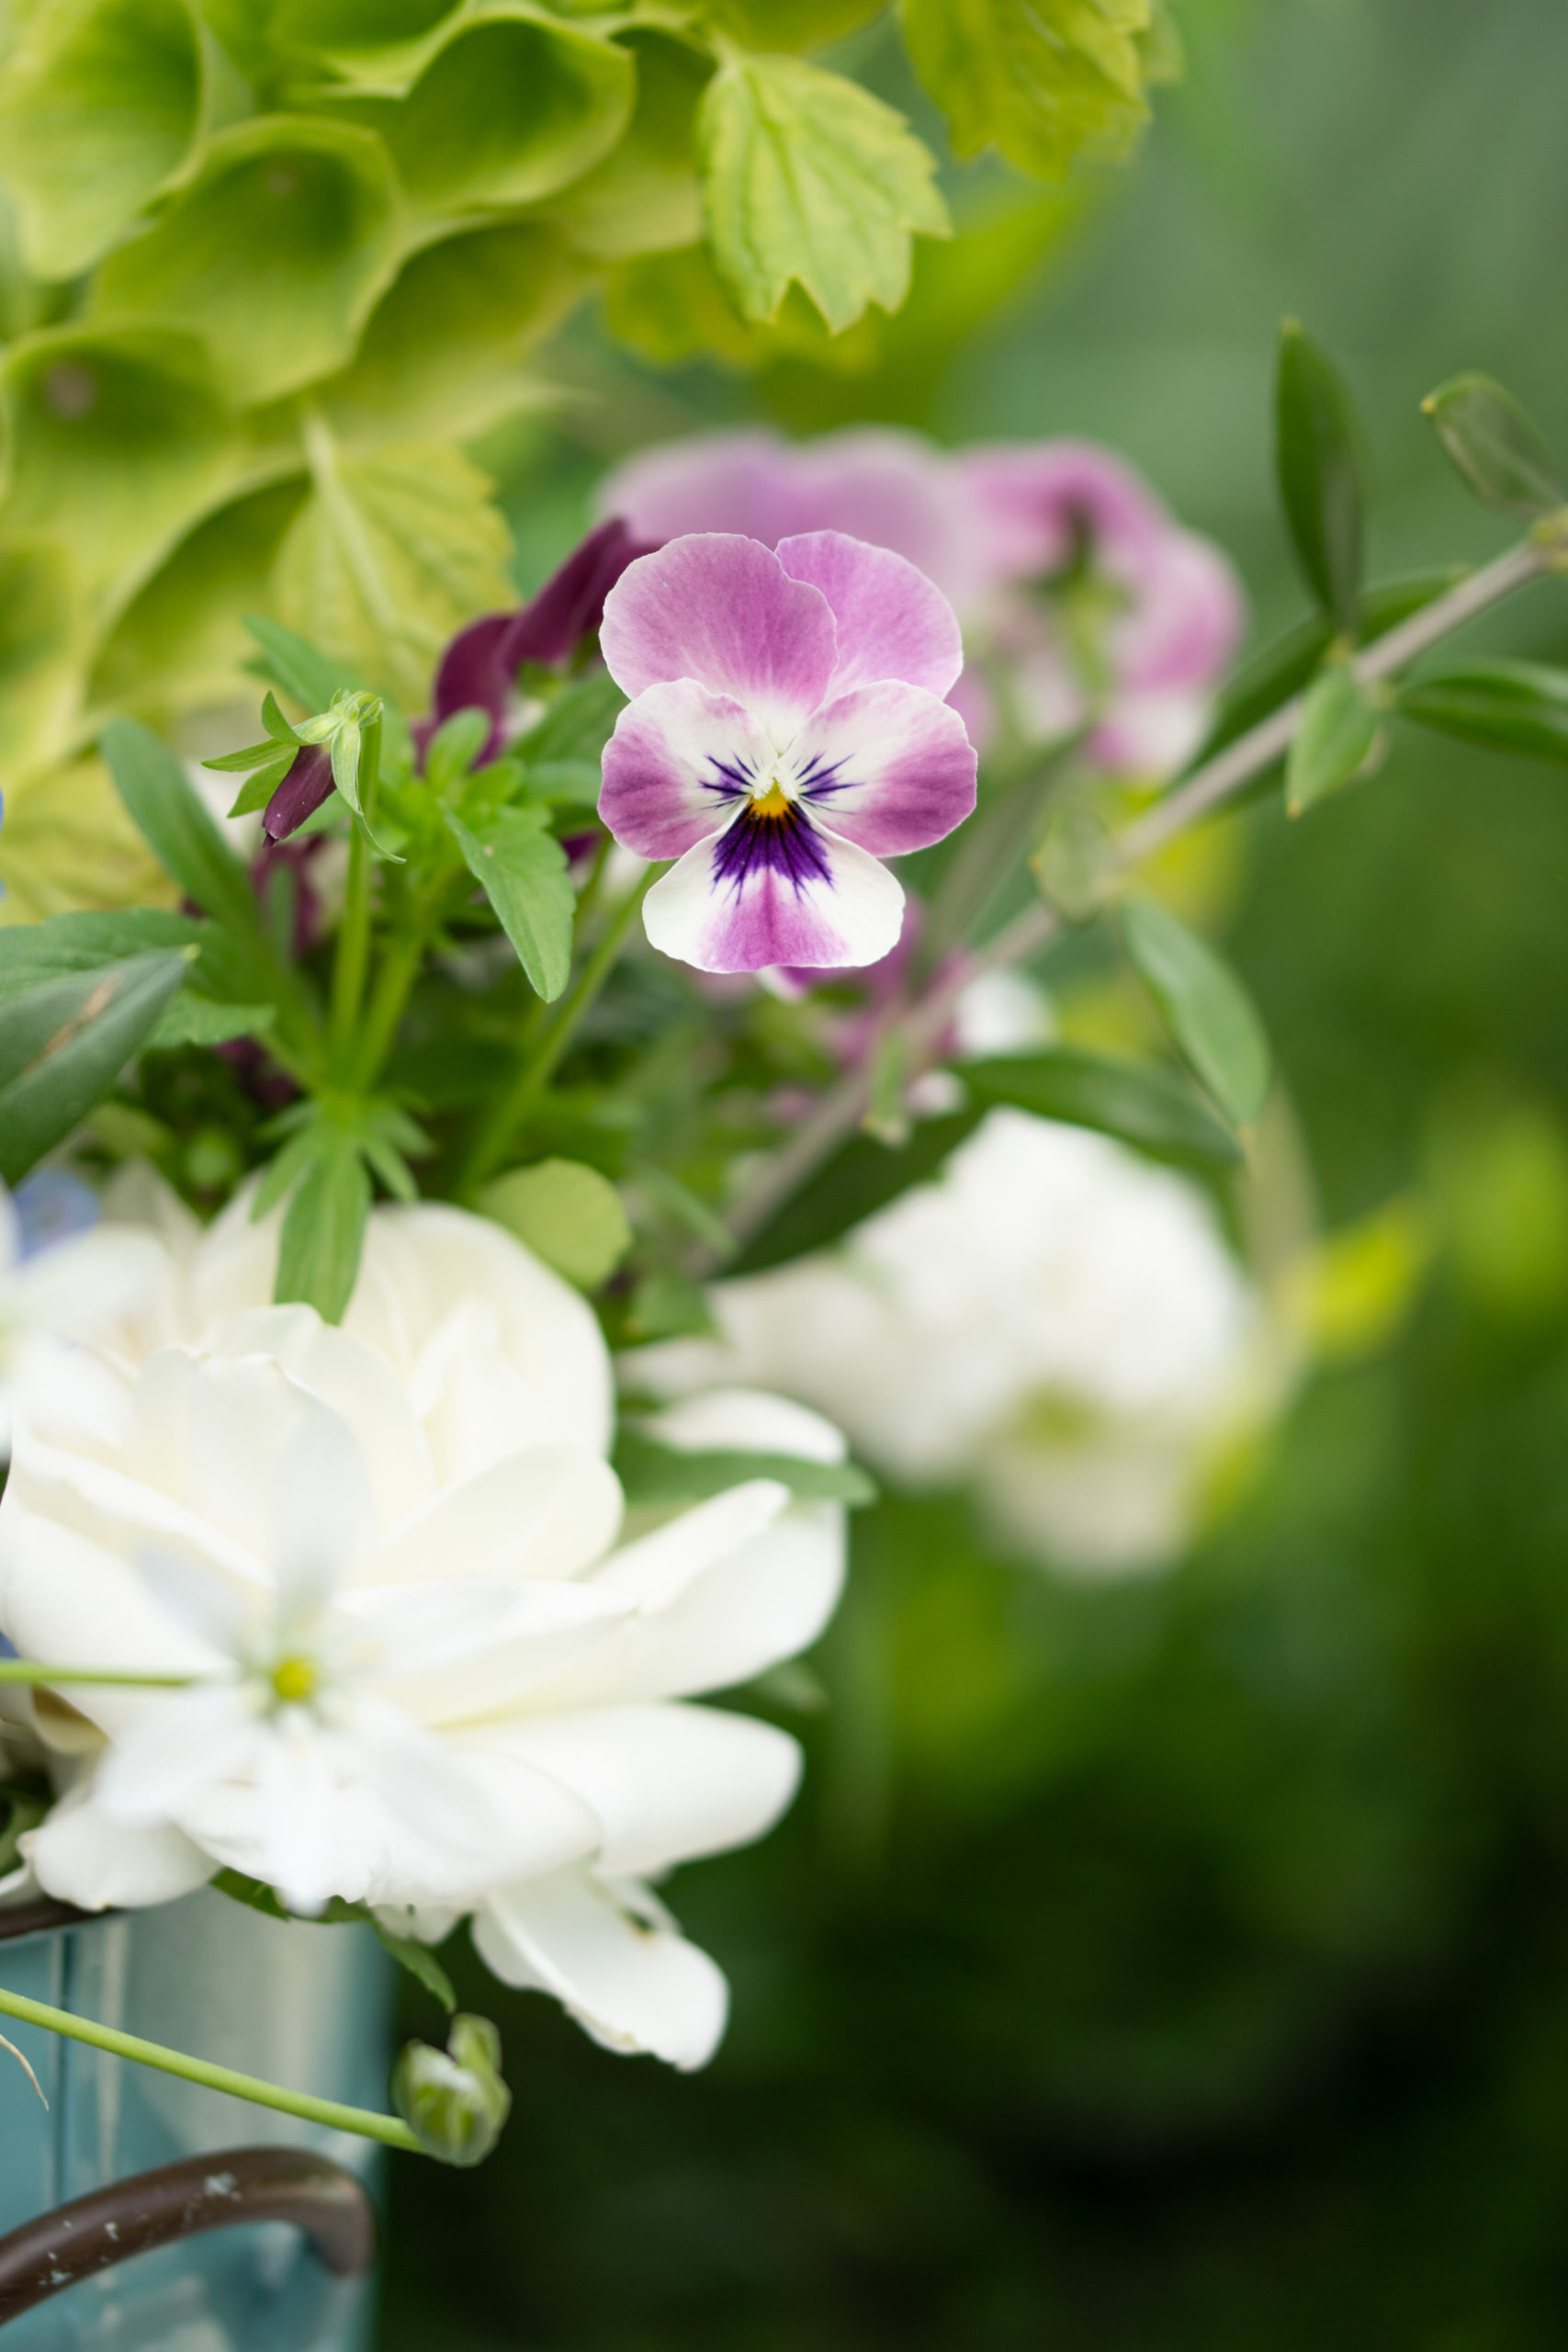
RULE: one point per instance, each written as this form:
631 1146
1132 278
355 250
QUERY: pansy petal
892 621
679 761
631 1983
809 899
722 611
888 767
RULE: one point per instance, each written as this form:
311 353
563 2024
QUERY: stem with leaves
353 958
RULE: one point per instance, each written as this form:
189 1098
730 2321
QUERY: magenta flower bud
479 666
307 785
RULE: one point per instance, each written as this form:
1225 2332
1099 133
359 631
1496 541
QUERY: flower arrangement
327 1576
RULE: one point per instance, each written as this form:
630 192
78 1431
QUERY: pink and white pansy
787 730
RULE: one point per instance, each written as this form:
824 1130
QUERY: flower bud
454 2100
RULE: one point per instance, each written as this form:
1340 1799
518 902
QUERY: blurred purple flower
786 731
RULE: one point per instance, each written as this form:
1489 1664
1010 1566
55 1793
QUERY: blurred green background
1181 1964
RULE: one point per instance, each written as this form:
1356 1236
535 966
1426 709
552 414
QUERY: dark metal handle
157 2209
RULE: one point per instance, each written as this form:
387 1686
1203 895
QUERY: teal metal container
304 2005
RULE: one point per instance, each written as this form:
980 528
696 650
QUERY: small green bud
454 2100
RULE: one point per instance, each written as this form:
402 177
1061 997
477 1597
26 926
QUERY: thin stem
538 1066
353 958
843 1108
389 2129
29 1671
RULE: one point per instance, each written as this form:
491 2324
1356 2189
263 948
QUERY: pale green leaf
67 842
323 1228
388 559
513 106
1338 740
444 347
1210 1014
273 251
524 873
567 1214
43 634
807 177
1043 80
792 24
643 197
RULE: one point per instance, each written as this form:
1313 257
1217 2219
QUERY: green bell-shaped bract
273 252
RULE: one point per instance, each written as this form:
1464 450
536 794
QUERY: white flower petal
630 1984
80 1856
658 1569
181 1741
75 1288
751 1421
548 1512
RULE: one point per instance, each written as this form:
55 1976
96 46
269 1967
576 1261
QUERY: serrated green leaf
1506 705
1336 740
522 871
312 209
807 177
323 1228
652 1472
1150 1108
63 1046
1317 455
119 439
513 105
1210 1013
1496 445
67 842
446 349
388 559
1043 80
192 1020
98 104
567 1214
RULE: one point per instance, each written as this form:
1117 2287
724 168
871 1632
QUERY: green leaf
119 439
388 559
44 634
444 350
651 1473
567 1214
1338 739
323 1228
1496 445
1507 706
1210 1013
577 724
806 177
67 842
643 197
1150 1108
258 791
420 1963
33 954
1318 453
523 870
193 1019
273 252
1043 80
792 24
454 746
165 808
514 105
63 1046
98 104
861 1177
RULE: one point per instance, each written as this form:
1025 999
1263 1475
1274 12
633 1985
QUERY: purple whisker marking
733 780
818 783
787 844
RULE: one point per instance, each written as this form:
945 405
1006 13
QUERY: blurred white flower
56 1295
425 1677
1054 1320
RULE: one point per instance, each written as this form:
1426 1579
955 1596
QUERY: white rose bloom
54 1297
426 1677
1053 1319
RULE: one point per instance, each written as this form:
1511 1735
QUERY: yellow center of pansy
775 802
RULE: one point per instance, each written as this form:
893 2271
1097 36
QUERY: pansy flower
787 732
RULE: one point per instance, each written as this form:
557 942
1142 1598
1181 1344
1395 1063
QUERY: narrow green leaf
576 724
1317 452
1496 445
861 1177
62 1047
420 1963
192 1020
167 812
323 1229
31 953
1507 706
454 746
523 870
1210 1013
886 1119
651 1473
567 1214
258 789
1339 737
240 762
807 177
1150 1108
312 677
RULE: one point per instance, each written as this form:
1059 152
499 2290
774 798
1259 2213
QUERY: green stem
29 1671
493 1137
388 2128
394 984
353 934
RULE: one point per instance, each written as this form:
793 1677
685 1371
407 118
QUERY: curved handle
157 2209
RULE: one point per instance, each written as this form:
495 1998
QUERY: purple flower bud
302 793
479 666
